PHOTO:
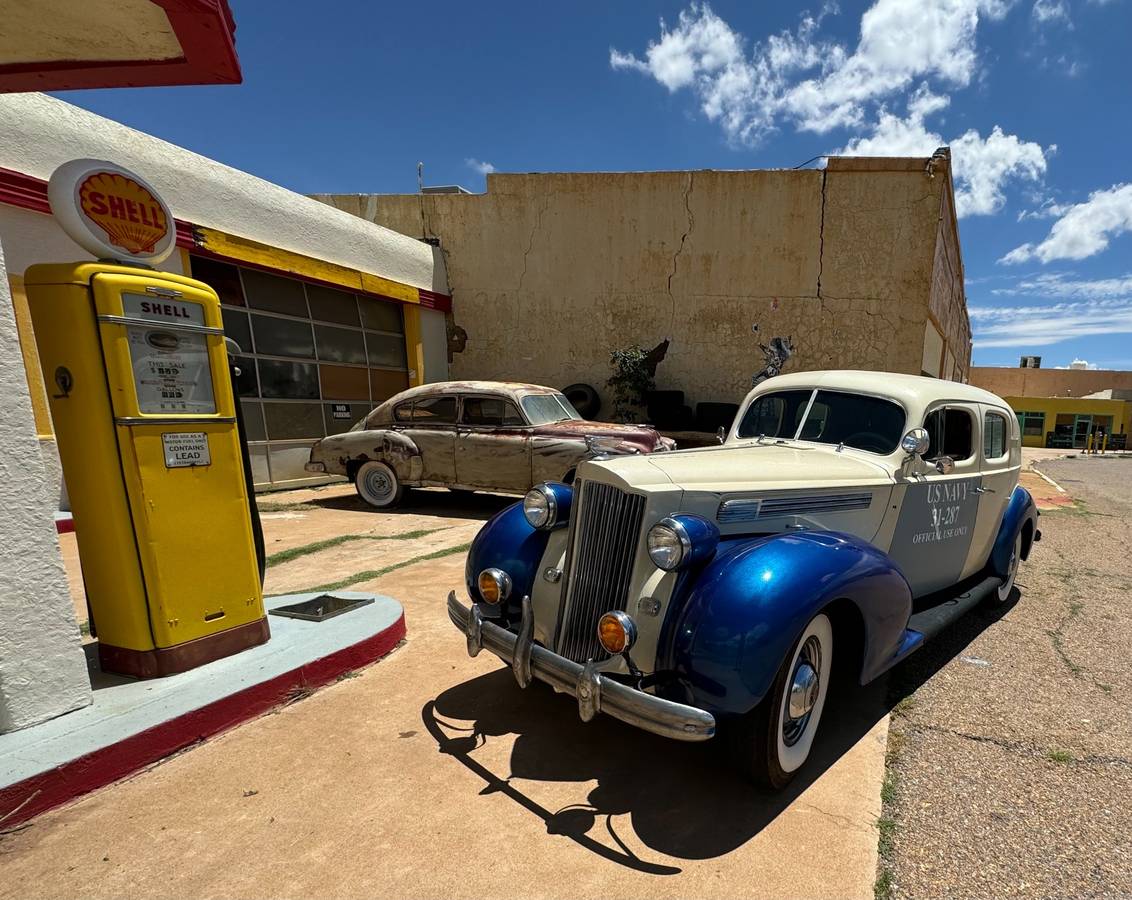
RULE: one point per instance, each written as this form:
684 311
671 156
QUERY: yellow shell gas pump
145 419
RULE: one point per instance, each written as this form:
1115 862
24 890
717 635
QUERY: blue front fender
507 542
744 611
1019 511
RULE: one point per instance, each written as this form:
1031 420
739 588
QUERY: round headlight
540 508
668 543
494 585
617 632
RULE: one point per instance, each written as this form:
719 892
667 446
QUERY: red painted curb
108 764
65 526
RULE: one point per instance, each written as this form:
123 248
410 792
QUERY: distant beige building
1026 382
858 264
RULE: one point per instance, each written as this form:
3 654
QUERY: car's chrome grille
604 531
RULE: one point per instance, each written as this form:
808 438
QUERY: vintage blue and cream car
846 516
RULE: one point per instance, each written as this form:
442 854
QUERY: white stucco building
333 315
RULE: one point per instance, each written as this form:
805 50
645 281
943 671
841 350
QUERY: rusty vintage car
470 436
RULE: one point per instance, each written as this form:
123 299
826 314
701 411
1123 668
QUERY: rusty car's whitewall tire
378 485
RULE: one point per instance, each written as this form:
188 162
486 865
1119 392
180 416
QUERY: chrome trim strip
634 707
745 510
159 323
173 420
748 509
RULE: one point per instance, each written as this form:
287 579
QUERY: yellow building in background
1068 421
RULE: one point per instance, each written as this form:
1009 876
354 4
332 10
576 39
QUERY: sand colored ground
433 775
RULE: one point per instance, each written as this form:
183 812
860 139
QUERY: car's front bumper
595 692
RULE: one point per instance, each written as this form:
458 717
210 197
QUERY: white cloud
478 165
1050 11
1040 326
816 85
1078 363
900 41
1059 284
982 166
1083 230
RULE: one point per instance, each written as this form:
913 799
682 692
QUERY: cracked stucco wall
42 666
549 272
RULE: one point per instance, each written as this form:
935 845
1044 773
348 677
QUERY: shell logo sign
111 212
129 214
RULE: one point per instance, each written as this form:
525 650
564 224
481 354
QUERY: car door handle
983 490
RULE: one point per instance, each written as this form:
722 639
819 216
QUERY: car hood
643 435
750 466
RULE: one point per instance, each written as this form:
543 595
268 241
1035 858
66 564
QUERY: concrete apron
349 793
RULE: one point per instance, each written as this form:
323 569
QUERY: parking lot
1011 748
432 774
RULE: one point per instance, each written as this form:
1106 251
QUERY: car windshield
855 420
542 409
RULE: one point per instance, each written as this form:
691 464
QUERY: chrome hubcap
378 484
804 687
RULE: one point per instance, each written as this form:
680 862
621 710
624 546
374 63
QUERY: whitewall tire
1003 591
779 734
378 485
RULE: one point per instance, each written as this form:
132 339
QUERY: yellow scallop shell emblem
130 215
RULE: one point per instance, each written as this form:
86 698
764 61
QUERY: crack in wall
680 249
821 234
531 239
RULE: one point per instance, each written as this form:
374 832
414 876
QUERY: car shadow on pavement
449 504
683 800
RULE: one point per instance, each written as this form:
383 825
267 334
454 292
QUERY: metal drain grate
324 606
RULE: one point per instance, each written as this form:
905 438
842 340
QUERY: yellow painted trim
248 251
414 345
34 371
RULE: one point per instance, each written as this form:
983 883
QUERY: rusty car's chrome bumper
595 692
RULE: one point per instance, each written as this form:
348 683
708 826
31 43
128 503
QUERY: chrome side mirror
721 434
916 442
944 465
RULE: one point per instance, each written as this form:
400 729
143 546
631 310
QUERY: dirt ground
430 774
1011 747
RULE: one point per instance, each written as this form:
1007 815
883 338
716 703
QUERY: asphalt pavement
1010 749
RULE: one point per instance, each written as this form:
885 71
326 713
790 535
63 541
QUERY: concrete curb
28 798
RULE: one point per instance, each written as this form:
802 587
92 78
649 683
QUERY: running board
933 619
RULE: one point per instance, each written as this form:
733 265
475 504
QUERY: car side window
490 411
952 433
994 436
403 413
435 411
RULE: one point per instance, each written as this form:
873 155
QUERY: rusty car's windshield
855 420
542 409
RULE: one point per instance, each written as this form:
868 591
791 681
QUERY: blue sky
1034 97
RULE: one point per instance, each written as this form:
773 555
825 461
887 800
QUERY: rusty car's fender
343 453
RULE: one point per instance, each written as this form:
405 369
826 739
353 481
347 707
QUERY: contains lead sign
186 448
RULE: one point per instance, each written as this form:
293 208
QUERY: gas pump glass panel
170 365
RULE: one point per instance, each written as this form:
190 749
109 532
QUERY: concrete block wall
550 272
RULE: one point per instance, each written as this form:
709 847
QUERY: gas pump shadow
683 800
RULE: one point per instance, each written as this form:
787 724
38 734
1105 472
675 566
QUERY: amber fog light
617 632
494 585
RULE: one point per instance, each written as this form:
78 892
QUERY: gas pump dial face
171 365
